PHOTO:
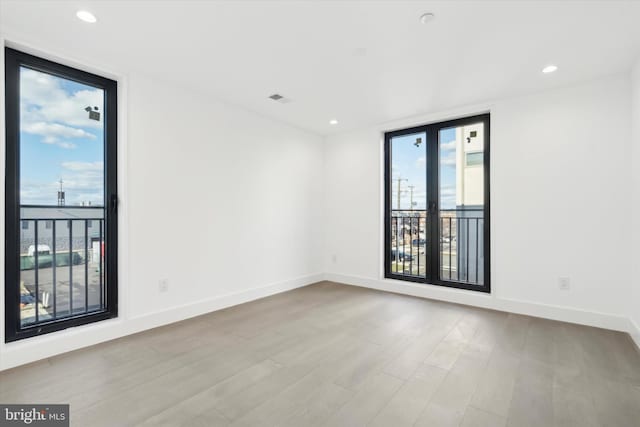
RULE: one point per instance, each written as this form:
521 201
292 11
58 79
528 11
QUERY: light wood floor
336 355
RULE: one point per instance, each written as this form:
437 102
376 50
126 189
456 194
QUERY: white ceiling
362 62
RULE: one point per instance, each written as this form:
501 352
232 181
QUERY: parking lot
83 289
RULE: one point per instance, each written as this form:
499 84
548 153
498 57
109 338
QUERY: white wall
223 203
635 244
560 205
220 200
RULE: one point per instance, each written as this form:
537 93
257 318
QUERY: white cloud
448 146
82 181
448 160
84 166
448 197
448 190
52 133
64 144
37 193
43 98
50 111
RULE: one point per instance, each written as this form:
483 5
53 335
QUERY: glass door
461 203
437 203
61 197
408 210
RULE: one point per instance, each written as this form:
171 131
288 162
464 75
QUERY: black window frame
433 202
14 59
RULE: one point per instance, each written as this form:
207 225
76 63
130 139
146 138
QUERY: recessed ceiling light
427 17
549 69
86 16
333 122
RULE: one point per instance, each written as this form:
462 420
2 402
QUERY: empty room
320 213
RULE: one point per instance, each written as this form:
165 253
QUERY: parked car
42 250
45 260
400 255
419 242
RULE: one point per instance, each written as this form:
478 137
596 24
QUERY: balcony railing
61 262
460 245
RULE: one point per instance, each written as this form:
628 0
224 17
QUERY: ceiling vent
279 98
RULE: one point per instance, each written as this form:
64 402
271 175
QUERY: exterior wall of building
469 177
46 217
469 243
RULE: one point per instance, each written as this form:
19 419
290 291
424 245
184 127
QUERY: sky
409 163
59 141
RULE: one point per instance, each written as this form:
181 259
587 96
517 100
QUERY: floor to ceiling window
61 201
437 204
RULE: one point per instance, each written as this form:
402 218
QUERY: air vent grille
279 98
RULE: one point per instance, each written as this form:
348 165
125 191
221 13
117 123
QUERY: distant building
46 216
470 202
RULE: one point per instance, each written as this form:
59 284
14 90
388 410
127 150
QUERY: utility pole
411 187
399 179
61 196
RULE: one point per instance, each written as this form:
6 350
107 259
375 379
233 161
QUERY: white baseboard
38 348
186 311
478 299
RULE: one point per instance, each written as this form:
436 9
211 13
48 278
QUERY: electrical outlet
334 258
564 283
163 285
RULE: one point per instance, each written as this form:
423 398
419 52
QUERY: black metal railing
408 242
460 245
61 263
